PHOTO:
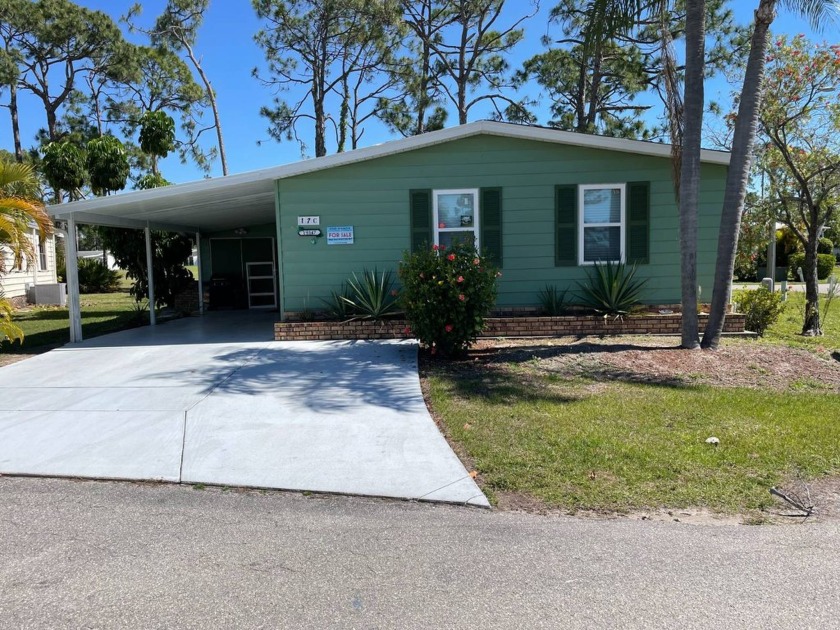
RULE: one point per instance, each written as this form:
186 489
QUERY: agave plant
552 300
612 289
338 306
371 296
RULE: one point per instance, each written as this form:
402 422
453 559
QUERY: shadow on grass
61 314
500 387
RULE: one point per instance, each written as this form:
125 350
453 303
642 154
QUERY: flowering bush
446 295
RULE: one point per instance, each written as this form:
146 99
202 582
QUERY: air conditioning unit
55 294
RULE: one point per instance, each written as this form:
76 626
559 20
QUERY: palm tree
20 212
743 139
685 117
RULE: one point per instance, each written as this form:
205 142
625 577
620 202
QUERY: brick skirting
503 327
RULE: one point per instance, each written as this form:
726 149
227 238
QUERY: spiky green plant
552 300
338 304
611 289
372 294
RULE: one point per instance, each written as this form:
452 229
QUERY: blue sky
229 53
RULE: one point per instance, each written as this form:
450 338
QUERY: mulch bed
738 363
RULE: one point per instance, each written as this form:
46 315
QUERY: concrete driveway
212 400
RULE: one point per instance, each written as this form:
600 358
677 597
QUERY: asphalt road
79 554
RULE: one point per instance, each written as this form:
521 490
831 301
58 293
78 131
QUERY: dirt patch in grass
658 360
8 359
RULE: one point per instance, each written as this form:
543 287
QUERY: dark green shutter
490 218
421 219
638 223
565 225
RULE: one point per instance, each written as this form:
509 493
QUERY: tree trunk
811 326
739 171
13 112
51 122
689 186
343 114
211 95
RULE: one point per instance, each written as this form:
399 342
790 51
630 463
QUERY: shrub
446 295
825 246
552 300
825 265
612 289
761 306
95 277
372 295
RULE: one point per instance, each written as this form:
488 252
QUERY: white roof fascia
392 147
121 222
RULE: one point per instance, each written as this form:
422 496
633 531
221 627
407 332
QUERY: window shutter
421 219
565 226
490 217
638 223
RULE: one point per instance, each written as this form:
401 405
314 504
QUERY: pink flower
407 330
461 297
448 327
476 262
443 248
450 257
460 278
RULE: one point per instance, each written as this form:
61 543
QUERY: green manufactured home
545 203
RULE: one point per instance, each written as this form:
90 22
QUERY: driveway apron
209 400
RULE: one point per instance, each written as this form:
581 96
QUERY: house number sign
309 221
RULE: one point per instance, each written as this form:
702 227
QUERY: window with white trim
42 254
455 214
601 223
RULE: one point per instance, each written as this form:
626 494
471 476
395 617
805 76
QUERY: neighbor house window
42 254
455 214
602 223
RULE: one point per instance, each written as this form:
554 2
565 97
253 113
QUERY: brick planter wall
502 327
186 301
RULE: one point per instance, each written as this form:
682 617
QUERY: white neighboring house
96 254
16 283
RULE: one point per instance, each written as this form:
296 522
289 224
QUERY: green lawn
616 441
621 447
46 327
786 330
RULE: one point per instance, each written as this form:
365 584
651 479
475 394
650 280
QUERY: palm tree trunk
689 189
738 176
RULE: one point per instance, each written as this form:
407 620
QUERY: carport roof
248 198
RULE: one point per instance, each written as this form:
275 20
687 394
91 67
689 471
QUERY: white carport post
72 269
200 281
150 275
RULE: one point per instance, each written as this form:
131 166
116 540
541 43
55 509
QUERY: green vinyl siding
375 198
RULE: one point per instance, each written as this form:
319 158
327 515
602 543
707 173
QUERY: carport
212 205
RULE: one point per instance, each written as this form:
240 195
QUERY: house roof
206 205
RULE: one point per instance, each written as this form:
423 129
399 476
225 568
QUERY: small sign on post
340 235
